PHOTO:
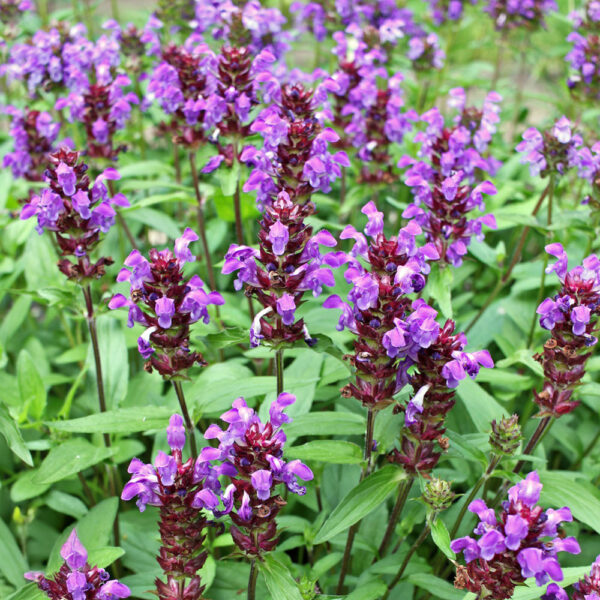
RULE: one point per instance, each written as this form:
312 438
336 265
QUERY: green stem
114 7
403 491
486 475
201 225
498 64
367 453
587 450
186 417
91 321
252 580
513 263
407 558
544 266
279 369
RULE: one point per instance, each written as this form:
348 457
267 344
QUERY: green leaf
439 287
14 439
115 363
326 423
31 387
229 336
105 556
145 168
25 488
441 538
371 590
15 317
94 530
66 504
12 563
482 407
467 448
229 179
279 580
435 586
29 591
561 489
361 501
226 209
122 420
331 451
69 458
215 396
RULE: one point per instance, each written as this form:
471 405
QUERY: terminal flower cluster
62 59
584 57
572 317
522 542
295 157
529 14
76 210
368 116
181 490
242 82
248 24
170 303
250 455
34 134
552 152
448 10
434 363
382 273
443 181
76 580
103 109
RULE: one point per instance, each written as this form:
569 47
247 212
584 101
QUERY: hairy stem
279 369
368 451
201 225
543 277
252 581
513 263
486 475
403 491
91 322
121 220
186 417
587 450
406 560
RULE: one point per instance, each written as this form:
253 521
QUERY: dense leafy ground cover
314 285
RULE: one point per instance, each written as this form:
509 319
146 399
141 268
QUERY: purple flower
516 529
278 236
176 432
276 414
112 590
262 481
534 563
375 219
468 546
182 251
165 309
516 542
77 585
286 308
73 552
526 491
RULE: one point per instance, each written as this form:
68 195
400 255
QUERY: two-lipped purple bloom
511 534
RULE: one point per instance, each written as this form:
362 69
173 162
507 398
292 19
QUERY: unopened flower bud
506 436
438 494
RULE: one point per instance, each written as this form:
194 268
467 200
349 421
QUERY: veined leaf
360 501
